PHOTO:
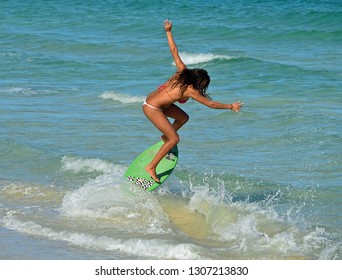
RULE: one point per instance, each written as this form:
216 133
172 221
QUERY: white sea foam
196 58
20 191
106 206
110 198
27 91
255 230
71 163
153 248
122 98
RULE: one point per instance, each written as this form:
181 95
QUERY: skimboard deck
137 174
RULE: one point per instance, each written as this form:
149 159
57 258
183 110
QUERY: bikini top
181 101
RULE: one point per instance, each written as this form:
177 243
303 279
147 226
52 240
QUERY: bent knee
174 140
184 119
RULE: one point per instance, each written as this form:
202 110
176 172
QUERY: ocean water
264 183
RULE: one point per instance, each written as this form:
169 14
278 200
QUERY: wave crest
77 165
196 58
122 98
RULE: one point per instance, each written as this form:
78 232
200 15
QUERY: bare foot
152 173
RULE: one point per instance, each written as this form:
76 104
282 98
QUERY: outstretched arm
194 94
173 48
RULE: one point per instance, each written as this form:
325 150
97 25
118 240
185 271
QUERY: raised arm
173 48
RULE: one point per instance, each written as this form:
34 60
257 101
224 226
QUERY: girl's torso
165 95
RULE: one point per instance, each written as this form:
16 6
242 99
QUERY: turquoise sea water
264 183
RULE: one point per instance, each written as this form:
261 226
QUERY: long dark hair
198 78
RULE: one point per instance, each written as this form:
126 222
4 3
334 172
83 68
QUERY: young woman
159 105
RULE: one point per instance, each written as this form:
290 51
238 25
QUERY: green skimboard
136 171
